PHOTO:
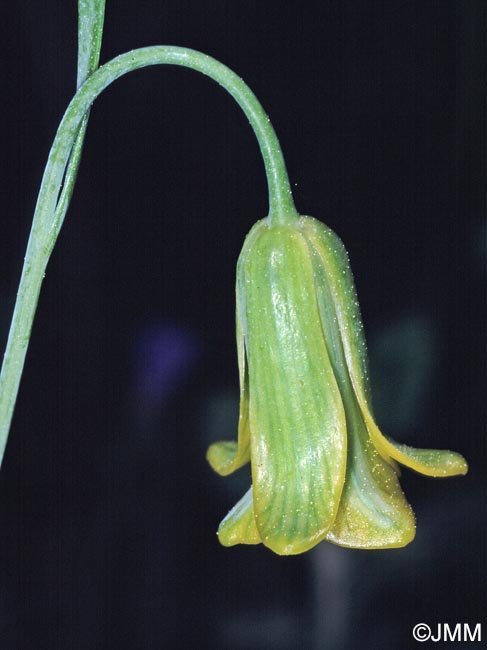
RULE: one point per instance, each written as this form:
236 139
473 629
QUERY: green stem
91 16
51 207
281 205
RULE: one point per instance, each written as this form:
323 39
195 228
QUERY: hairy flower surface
321 468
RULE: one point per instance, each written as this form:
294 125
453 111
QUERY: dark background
108 510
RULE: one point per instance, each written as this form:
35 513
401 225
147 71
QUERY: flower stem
52 202
281 205
91 14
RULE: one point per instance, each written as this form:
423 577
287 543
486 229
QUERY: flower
321 468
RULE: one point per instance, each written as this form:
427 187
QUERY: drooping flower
321 468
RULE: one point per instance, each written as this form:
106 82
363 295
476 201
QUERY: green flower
321 468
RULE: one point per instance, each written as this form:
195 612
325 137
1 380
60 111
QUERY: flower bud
321 468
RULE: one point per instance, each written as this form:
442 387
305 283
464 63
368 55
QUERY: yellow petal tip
222 456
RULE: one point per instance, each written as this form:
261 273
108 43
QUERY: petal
297 421
341 299
227 456
373 511
239 527
432 462
342 292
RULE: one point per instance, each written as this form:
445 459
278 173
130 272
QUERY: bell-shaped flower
321 468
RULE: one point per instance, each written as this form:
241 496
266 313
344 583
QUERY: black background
108 510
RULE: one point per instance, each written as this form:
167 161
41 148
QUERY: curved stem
51 206
281 205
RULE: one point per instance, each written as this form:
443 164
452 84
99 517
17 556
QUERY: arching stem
51 206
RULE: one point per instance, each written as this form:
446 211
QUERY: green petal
297 421
373 511
227 456
239 527
342 296
432 462
342 291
